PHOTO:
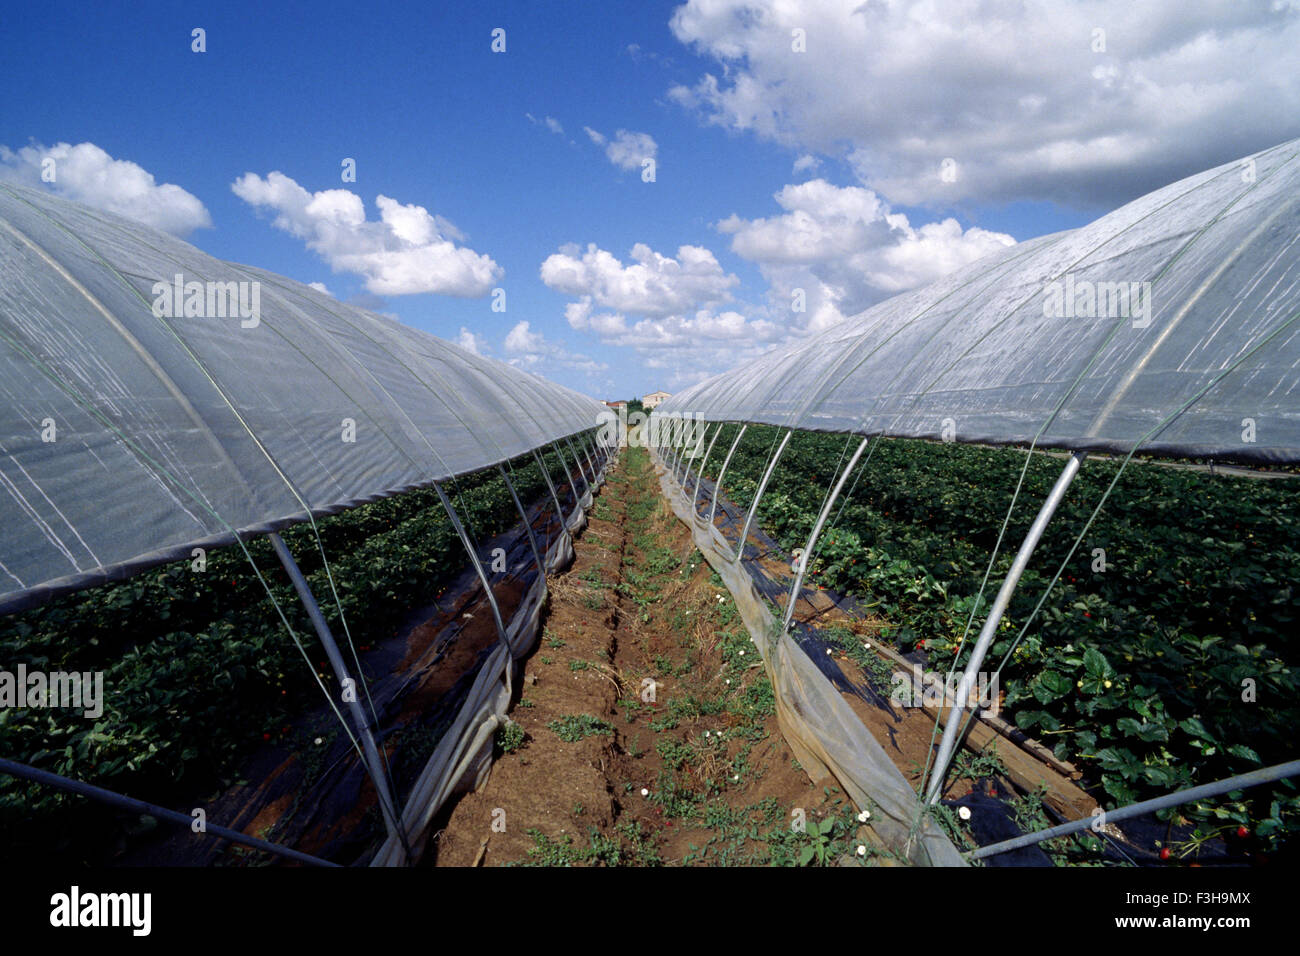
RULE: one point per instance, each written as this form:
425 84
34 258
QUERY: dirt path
647 723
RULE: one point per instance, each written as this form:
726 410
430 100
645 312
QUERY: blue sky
829 169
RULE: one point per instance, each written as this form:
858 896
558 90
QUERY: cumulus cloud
627 150
520 340
691 346
651 284
1087 103
319 287
666 308
87 174
827 253
406 251
688 348
703 327
845 248
527 349
472 342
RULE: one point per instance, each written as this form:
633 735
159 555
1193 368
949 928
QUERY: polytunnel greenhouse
1000 571
1168 328
137 437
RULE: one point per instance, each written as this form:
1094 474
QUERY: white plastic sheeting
1173 323
127 438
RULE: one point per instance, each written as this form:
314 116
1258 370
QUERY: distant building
654 398
618 404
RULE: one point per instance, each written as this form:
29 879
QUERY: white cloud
701 329
806 163
691 346
846 250
520 340
527 349
580 316
665 308
652 284
550 122
1014 93
842 247
319 287
406 251
640 54
87 174
627 150
472 342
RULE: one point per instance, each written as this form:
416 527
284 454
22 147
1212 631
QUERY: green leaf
1118 789
1244 752
1148 732
1096 666
1049 686
1161 776
1115 758
1129 726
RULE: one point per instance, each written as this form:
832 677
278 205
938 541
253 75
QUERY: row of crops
199 669
1163 655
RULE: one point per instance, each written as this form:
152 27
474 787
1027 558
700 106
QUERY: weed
675 753
563 852
575 727
979 766
678 801
510 737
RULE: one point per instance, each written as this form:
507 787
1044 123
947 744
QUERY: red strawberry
1164 853
1242 833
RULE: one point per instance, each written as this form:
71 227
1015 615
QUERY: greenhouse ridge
1048 343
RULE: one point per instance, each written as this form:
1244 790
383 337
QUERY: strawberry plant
1164 661
198 668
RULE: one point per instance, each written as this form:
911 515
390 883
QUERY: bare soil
685 764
